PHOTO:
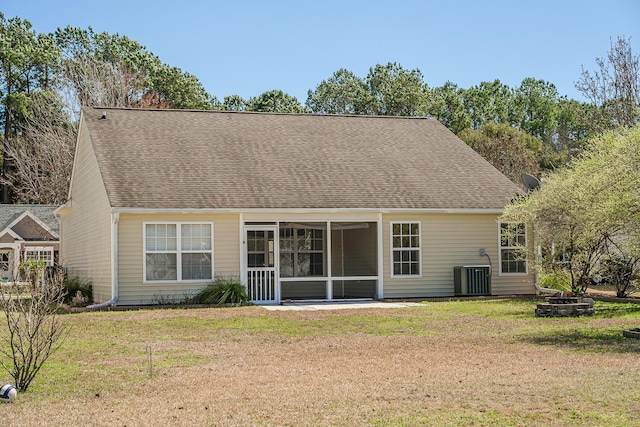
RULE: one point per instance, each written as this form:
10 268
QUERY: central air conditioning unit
472 280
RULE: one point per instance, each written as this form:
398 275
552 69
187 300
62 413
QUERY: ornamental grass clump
223 290
78 292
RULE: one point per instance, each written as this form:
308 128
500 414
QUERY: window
39 253
301 252
178 251
405 243
260 248
513 244
5 259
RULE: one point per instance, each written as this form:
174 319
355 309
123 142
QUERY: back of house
296 206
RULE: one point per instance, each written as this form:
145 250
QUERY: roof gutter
115 218
309 210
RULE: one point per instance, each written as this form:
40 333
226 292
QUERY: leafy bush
559 280
78 293
223 290
620 271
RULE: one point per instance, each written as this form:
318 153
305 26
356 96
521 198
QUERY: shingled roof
214 159
45 213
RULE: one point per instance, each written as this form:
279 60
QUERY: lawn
444 363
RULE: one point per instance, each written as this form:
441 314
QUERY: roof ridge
265 113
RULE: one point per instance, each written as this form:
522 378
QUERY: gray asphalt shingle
45 213
215 159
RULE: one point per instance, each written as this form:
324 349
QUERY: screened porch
330 260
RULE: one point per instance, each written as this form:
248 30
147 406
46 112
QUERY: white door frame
13 249
263 282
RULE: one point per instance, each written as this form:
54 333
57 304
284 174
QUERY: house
27 232
298 206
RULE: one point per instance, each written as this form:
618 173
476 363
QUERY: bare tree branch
42 156
613 90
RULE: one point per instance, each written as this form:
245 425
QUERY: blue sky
249 47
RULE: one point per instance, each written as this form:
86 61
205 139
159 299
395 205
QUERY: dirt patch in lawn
432 369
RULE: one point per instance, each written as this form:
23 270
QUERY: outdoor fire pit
565 307
632 333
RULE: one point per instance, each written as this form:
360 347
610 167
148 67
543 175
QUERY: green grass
107 350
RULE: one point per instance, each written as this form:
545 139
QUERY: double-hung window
178 251
405 248
513 246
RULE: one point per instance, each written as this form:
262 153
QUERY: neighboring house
298 206
28 232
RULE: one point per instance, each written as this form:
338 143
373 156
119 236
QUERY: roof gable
8 236
30 227
213 159
29 222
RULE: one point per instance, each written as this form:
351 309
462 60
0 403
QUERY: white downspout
115 217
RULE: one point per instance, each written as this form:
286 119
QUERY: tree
446 103
275 101
103 69
396 91
571 130
234 103
86 69
34 329
614 90
342 93
489 102
42 154
180 90
27 61
588 211
511 151
535 108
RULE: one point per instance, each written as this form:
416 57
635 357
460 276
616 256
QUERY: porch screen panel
302 252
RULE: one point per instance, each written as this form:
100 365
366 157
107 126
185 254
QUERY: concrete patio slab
339 305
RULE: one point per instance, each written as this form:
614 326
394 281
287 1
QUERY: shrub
78 293
223 290
620 271
559 280
33 328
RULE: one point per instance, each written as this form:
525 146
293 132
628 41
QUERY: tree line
46 78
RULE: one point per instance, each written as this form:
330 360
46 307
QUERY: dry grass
449 363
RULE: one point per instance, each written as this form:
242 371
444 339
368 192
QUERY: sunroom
311 260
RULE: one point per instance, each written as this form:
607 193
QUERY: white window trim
178 251
500 248
39 249
391 248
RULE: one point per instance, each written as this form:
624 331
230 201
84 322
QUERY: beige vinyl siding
132 288
85 229
449 240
